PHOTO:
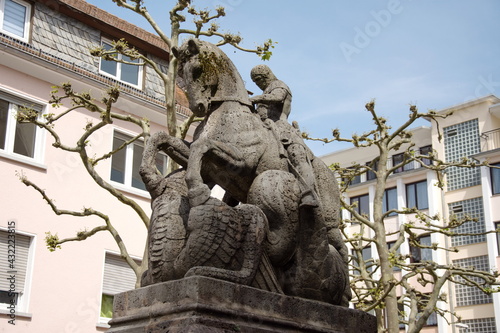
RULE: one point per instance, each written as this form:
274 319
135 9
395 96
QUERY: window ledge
114 78
18 314
130 190
23 159
102 325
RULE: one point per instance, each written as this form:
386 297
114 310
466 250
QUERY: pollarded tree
201 18
375 288
121 51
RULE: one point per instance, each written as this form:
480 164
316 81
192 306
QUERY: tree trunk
386 271
170 85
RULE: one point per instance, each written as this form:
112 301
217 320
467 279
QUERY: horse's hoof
199 195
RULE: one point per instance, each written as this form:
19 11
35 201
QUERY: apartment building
473 130
45 43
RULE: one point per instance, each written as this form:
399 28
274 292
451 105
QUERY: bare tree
373 283
89 162
73 101
201 18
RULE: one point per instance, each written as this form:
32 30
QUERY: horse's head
209 76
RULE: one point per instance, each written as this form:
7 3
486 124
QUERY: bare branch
54 242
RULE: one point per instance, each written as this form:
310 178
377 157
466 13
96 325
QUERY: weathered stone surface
278 226
269 257
200 304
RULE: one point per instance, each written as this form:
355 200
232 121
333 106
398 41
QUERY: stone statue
262 234
274 105
213 239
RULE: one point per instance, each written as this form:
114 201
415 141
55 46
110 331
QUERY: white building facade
471 131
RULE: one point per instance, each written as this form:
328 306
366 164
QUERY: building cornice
485 155
492 99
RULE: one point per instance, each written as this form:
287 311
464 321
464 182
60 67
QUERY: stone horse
232 148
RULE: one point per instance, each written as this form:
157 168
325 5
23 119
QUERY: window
470 232
497 227
123 72
125 163
416 195
390 245
482 325
432 319
363 204
15 18
401 313
451 132
370 174
367 258
390 200
462 140
354 180
419 254
118 277
495 178
21 268
471 295
21 140
397 159
426 150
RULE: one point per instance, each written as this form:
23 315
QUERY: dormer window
128 73
15 18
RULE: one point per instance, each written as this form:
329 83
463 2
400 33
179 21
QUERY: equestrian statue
277 227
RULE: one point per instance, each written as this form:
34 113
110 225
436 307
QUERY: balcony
490 140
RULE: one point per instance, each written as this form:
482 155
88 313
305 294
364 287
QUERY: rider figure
274 106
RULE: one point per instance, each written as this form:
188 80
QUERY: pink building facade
42 44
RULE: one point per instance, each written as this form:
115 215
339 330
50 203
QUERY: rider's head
262 76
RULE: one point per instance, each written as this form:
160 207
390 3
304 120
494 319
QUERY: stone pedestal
204 305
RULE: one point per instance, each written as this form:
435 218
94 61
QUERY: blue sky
338 55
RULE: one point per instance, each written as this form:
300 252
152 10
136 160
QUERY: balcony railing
7 42
490 140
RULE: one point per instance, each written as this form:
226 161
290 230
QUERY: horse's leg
176 148
218 152
298 244
329 193
302 168
317 270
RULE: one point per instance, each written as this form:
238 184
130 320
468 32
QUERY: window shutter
20 263
20 101
118 276
14 18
